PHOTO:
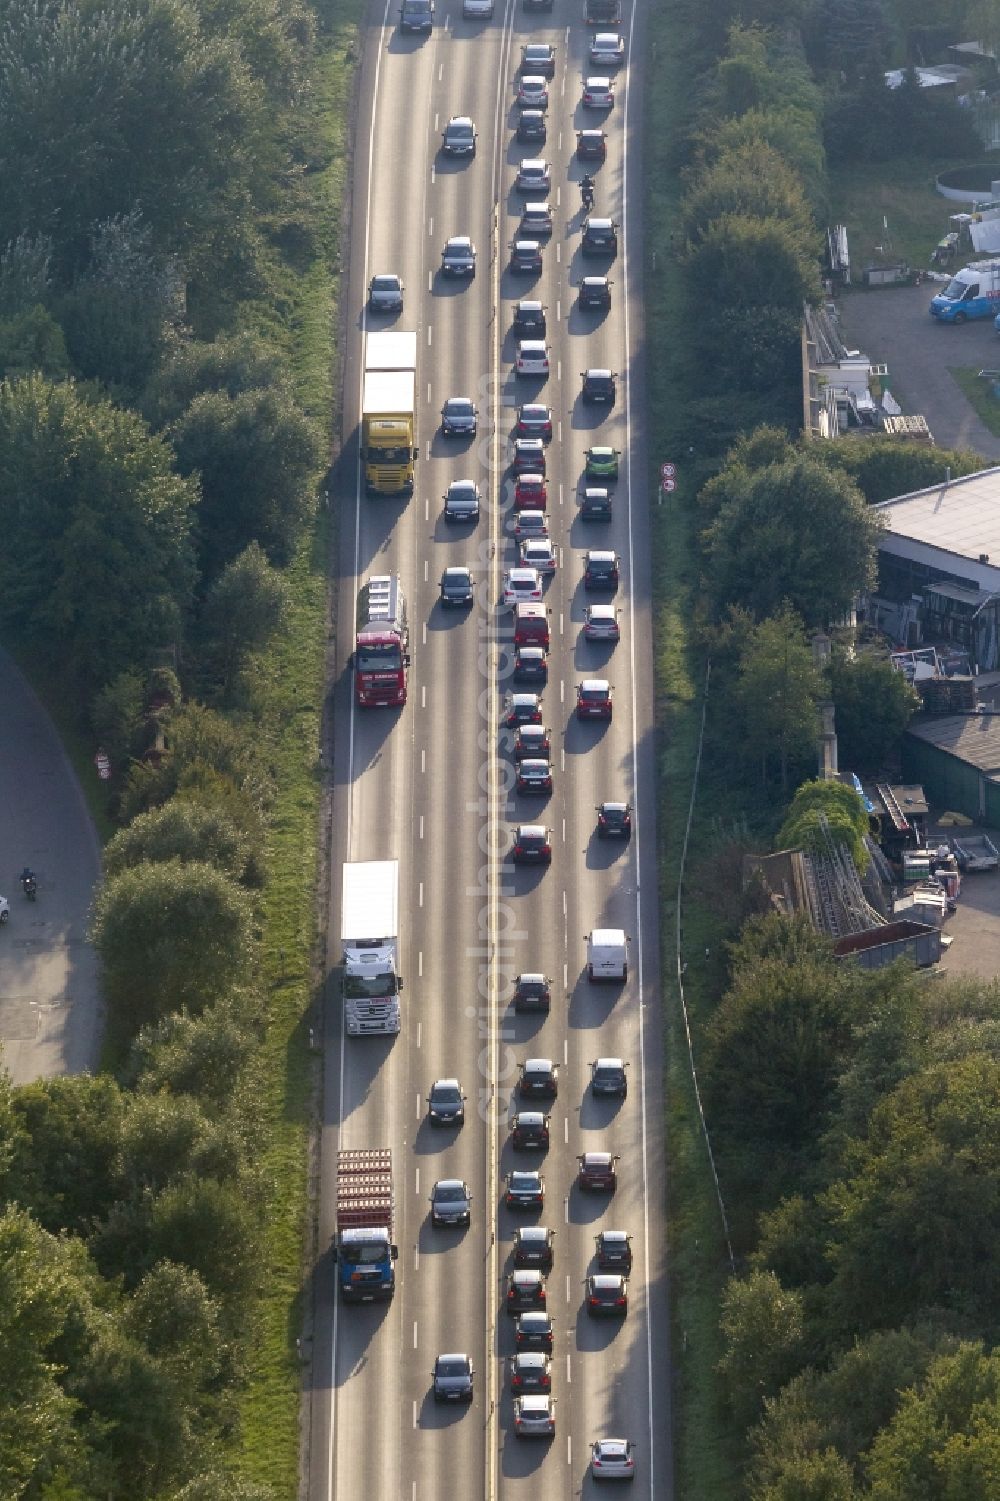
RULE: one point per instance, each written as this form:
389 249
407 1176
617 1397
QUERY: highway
429 784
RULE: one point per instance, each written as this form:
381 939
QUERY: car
530 1131
599 387
607 49
525 257
459 417
601 462
462 500
609 1076
477 10
591 145
532 743
451 1203
595 292
533 1331
525 1290
452 1376
416 15
537 4
531 664
598 93
532 359
533 176
536 220
612 1459
534 776
458 258
534 1416
531 625
600 236
597 1172
531 128
530 523
594 699
614 1251
529 456
600 569
446 1103
538 1079
524 1190
532 992
538 553
530 1371
459 137
456 588
614 820
533 1247
595 503
385 294
521 708
539 57
529 318
531 845
521 584
533 91
530 492
600 623
534 420
607 1295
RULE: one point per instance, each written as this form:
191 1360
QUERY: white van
607 954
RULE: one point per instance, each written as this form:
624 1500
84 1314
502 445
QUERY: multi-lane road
429 785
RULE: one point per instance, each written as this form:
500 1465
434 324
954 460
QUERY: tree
944 1442
179 830
197 1055
208 752
222 1485
245 608
883 468
257 456
32 342
811 1477
874 705
794 533
170 936
232 364
825 810
776 696
66 1166
744 261
749 179
790 130
762 1325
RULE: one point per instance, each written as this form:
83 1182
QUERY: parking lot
974 927
892 326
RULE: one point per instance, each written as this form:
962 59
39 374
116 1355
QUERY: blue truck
364 1252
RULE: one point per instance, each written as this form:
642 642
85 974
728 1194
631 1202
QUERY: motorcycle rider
28 881
587 191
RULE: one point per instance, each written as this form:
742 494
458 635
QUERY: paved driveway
892 325
50 1019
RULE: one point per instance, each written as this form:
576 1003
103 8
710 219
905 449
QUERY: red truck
382 643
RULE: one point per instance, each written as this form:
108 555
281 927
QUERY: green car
602 463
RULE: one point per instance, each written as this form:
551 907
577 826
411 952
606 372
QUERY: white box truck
607 954
389 413
369 935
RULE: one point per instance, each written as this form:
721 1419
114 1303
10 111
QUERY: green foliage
170 936
883 468
66 1166
180 830
789 130
762 1326
231 365
845 815
751 180
872 123
245 607
944 1441
211 760
116 715
811 1477
197 1055
874 705
776 695
32 342
743 259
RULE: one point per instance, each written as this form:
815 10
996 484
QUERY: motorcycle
29 885
587 194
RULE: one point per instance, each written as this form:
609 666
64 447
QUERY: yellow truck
388 413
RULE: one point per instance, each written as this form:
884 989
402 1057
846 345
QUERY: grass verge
893 205
979 394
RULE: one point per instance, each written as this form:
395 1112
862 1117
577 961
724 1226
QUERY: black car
595 292
540 58
600 237
529 456
595 503
531 664
521 708
608 1076
530 1371
533 1331
534 775
529 318
459 418
530 1131
614 820
525 1290
456 588
607 1295
531 127
539 1079
537 4
446 1103
524 1190
453 1376
534 420
459 137
526 257
532 743
614 1251
591 145
531 845
532 993
600 569
533 1247
599 387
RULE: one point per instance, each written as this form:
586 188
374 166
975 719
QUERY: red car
531 626
530 492
593 699
597 1172
532 743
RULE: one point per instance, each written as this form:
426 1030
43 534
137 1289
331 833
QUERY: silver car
534 1416
451 1202
607 50
612 1459
385 294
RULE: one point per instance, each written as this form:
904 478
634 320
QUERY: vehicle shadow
520 1458
450 286
441 619
450 447
587 416
583 734
590 1005
434 1242
441 1414
597 1112
585 1208
430 1140
595 1334
591 658
587 320
602 854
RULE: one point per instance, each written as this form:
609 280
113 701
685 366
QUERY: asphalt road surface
429 785
50 1014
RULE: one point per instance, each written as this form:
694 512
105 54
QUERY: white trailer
369 934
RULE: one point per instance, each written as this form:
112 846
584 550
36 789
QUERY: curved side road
50 1009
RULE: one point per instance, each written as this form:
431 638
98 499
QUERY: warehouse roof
974 738
961 517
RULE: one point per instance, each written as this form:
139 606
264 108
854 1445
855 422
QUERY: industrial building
957 758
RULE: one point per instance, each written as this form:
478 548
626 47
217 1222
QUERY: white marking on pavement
423 643
418 1107
421 835
414 1414
423 695
567 1287
569 1370
430 330
558 310
423 752
427 517
414 1334
425 570
417 1175
430 226
420 962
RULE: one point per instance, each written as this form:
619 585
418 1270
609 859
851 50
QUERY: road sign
103 766
668 471
669 484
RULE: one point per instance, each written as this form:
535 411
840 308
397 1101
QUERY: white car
530 523
532 358
533 176
598 93
521 585
607 50
600 623
612 1459
533 91
534 1416
538 552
